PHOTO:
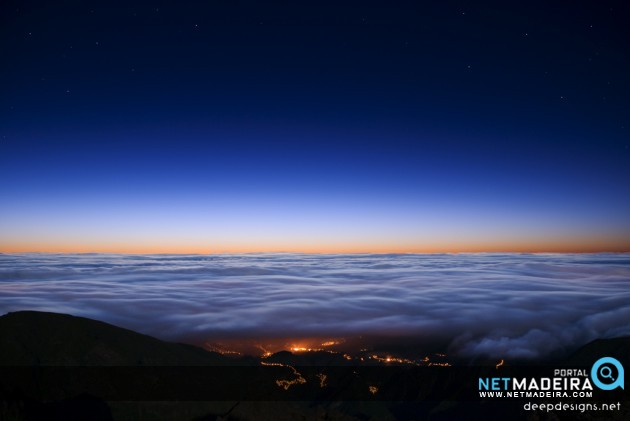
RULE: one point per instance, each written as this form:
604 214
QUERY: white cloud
520 306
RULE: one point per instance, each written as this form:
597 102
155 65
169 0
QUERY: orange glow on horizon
573 245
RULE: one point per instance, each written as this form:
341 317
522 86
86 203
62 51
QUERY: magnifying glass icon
606 373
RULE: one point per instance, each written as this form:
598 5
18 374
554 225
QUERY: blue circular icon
598 373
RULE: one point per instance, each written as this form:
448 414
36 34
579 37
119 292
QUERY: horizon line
318 253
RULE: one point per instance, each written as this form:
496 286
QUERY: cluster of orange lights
325 344
389 359
322 379
300 348
266 353
283 383
298 378
303 349
436 360
220 349
383 359
426 361
386 359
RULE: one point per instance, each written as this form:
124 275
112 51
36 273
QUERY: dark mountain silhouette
35 338
56 366
618 348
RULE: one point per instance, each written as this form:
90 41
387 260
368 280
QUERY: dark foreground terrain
60 367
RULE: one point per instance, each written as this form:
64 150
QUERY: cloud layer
492 305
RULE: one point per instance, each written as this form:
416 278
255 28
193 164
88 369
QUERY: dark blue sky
362 126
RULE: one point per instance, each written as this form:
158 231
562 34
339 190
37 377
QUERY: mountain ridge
45 338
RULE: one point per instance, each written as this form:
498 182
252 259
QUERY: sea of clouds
490 305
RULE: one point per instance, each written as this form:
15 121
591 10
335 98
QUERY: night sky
235 126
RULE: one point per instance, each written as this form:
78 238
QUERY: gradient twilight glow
207 127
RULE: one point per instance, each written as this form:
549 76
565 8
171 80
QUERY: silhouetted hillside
56 366
39 338
618 348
